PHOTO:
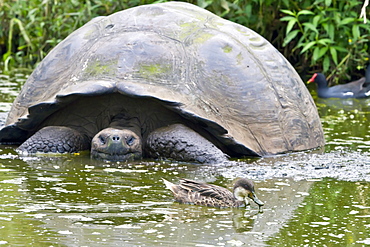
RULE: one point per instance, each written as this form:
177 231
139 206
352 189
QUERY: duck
210 195
354 89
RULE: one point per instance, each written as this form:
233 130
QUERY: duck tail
169 185
367 75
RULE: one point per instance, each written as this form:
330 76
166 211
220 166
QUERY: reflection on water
10 86
335 212
346 123
75 201
314 198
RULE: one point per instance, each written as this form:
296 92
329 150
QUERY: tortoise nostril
116 138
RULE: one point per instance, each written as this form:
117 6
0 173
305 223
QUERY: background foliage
321 35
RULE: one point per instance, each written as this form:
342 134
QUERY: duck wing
198 193
350 89
207 190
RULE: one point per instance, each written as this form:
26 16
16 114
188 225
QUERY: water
316 198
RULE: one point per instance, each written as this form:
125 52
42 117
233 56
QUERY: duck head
319 79
244 189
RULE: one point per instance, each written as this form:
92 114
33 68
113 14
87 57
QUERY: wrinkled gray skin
167 80
129 131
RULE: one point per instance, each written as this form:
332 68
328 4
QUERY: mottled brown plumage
192 192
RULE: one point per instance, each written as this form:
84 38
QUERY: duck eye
130 140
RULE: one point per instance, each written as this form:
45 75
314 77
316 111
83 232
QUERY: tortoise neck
124 122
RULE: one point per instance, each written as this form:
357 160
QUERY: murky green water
319 198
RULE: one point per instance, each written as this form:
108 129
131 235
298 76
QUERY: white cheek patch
240 193
367 93
347 94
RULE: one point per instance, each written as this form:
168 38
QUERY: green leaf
248 10
325 41
327 3
310 26
330 31
326 64
287 18
286 3
290 36
325 26
355 32
308 46
225 5
305 12
365 26
290 25
323 51
333 53
315 20
336 18
347 20
288 12
341 49
319 52
300 44
203 4
315 55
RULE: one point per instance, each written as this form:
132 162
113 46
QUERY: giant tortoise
168 80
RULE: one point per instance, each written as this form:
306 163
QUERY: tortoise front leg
55 139
181 143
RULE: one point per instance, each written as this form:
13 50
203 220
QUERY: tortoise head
244 189
116 145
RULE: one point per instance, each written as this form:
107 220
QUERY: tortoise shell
215 73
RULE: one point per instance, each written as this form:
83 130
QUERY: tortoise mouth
115 156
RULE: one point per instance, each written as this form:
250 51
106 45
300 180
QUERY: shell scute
217 74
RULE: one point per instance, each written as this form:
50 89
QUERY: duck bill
253 196
312 79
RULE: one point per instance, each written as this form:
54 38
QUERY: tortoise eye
102 139
130 140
